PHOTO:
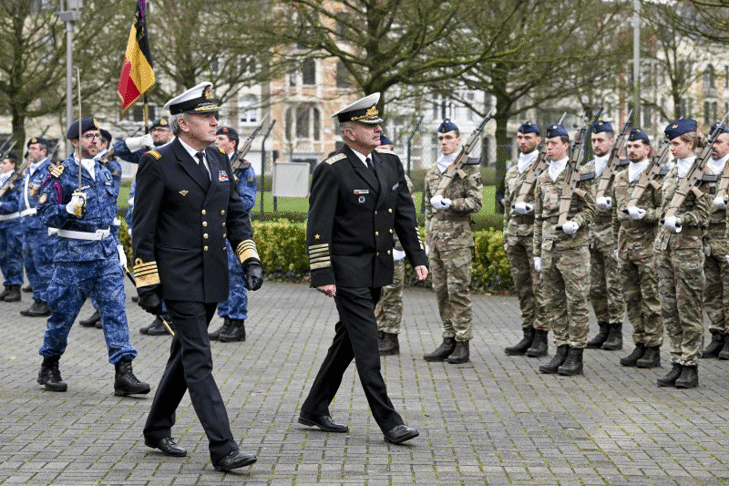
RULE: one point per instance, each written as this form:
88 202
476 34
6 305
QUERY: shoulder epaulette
335 158
384 151
155 154
57 170
587 176
221 150
663 171
710 178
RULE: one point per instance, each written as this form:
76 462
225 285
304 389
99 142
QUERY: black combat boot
632 358
13 294
689 377
715 346
50 375
559 358
724 353
5 292
522 346
573 364
38 309
125 383
461 354
27 288
651 358
225 328
601 336
540 346
388 345
615 337
443 351
159 329
92 320
671 377
237 332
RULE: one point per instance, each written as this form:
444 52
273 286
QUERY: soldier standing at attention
716 267
518 241
86 259
448 234
634 228
606 292
679 255
11 231
561 255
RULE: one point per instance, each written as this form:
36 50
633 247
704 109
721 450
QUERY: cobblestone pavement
495 420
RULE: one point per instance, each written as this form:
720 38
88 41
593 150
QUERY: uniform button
375 212
205 236
222 212
204 212
377 254
225 249
389 210
224 235
388 252
205 248
377 233
391 231
223 225
205 224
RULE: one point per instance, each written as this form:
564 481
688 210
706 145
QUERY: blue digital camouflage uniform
236 305
38 246
11 236
84 267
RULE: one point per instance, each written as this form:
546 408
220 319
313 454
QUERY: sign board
290 179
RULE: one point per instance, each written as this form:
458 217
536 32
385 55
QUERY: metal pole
71 14
410 144
636 62
263 163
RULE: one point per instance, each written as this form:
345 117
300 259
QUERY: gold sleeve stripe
146 274
317 266
318 245
246 249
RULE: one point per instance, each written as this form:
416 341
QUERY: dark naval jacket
353 216
181 221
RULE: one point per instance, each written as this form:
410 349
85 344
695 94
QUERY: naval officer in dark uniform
186 207
359 200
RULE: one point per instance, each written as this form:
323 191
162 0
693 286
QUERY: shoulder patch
587 176
57 170
384 151
155 154
335 158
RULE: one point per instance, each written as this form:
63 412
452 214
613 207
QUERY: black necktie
371 166
201 162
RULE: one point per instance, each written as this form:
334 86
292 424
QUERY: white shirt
445 161
635 169
526 160
683 165
363 158
556 167
87 164
600 163
717 166
193 153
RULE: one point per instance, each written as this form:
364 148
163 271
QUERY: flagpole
146 114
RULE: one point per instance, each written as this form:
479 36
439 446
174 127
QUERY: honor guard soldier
448 234
187 206
679 254
11 230
716 266
131 149
234 309
86 261
519 240
561 254
359 200
636 210
606 293
38 244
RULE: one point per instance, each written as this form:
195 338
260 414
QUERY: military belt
447 217
84 235
5 217
636 223
602 219
523 218
29 212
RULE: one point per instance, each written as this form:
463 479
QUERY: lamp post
70 14
636 62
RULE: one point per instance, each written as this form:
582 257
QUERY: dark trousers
190 367
355 338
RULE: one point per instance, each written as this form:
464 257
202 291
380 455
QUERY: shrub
282 247
490 266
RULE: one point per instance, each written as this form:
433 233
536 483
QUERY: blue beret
86 125
447 126
384 140
162 122
228 132
638 134
556 131
679 127
724 129
602 126
528 127
105 135
38 140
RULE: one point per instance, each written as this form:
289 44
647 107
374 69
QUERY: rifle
54 152
104 160
462 159
692 179
649 176
527 185
608 175
243 151
572 177
17 174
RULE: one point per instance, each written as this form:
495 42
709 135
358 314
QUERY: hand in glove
616 254
150 299
523 208
604 202
122 256
570 227
636 213
720 202
673 223
427 250
439 202
727 258
253 273
138 143
538 264
77 204
397 255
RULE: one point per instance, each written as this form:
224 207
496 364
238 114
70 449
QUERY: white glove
122 256
719 202
523 208
604 202
506 247
397 255
77 200
427 250
538 264
673 223
616 252
138 143
636 213
439 202
727 258
570 227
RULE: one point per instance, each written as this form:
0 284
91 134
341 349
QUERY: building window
343 76
709 77
316 129
138 113
309 72
248 109
303 122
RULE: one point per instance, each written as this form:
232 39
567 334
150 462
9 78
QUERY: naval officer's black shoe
234 460
324 422
401 433
167 446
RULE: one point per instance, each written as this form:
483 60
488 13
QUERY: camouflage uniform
565 258
449 236
680 268
11 236
635 246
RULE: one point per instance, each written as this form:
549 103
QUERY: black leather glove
150 299
253 274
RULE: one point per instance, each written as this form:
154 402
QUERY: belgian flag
137 76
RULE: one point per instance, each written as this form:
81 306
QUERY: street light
70 14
